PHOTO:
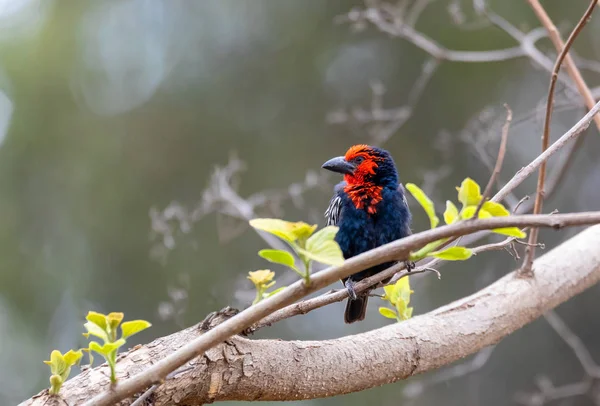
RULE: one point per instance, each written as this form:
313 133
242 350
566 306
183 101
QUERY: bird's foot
349 284
410 265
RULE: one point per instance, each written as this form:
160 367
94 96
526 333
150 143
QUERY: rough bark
245 369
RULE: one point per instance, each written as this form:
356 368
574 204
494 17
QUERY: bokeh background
136 136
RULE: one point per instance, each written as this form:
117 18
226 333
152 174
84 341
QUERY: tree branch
244 369
526 269
558 43
524 173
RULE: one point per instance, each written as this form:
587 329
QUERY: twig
493 246
581 352
499 161
570 65
308 305
523 200
524 173
526 269
395 251
140 401
547 392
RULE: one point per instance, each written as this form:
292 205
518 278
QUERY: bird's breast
364 197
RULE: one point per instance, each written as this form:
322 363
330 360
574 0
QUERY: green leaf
98 319
398 291
73 357
57 363
285 230
321 237
278 257
425 202
452 254
402 286
495 209
469 211
451 213
469 193
107 348
388 313
391 294
114 319
95 330
404 312
510 231
328 253
132 327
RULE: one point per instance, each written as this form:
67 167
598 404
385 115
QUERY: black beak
339 165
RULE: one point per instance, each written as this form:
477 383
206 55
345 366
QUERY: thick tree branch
244 369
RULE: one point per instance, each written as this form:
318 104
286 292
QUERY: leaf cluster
307 244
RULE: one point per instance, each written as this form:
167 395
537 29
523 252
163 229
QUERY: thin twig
523 200
581 352
526 269
493 246
499 161
524 173
570 65
140 401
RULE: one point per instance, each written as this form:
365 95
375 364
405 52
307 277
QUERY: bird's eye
359 159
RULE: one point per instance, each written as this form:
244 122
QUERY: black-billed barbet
370 209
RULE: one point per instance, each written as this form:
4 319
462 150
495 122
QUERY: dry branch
526 269
244 369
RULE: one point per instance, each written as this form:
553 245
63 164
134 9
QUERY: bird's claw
350 287
410 265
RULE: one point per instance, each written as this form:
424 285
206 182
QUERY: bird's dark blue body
360 231
370 209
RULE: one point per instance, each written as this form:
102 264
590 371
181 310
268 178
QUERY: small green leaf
469 211
402 286
321 237
425 202
451 213
107 348
510 231
328 253
278 257
132 327
57 363
469 193
452 254
388 313
391 294
94 330
286 230
114 319
495 209
98 319
73 357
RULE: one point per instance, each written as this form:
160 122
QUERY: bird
370 209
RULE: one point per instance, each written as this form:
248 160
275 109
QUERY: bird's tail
356 309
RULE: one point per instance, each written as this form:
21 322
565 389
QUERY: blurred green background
113 111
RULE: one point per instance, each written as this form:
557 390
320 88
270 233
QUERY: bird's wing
332 214
403 193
